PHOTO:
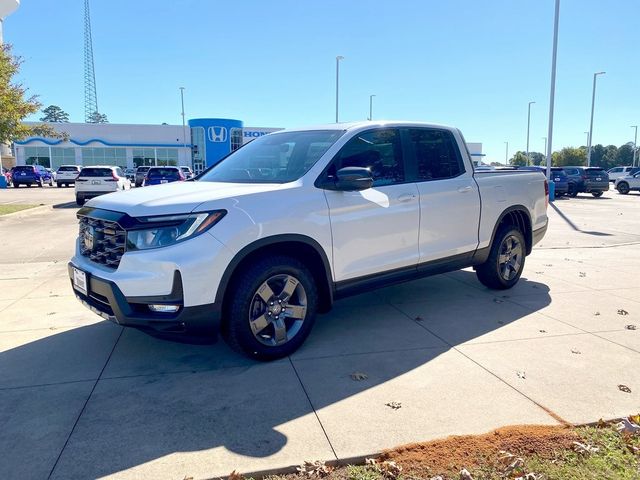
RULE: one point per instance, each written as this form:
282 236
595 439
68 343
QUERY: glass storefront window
62 156
144 157
236 138
104 156
37 156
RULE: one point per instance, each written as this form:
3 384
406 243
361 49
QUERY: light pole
593 101
528 125
184 128
635 145
552 94
371 107
506 153
545 148
338 58
587 133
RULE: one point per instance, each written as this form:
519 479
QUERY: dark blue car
558 175
159 175
30 175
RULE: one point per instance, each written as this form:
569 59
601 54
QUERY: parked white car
98 180
618 172
296 219
66 175
629 183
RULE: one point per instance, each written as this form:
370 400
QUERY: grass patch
14 207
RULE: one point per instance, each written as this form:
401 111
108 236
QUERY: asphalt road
83 398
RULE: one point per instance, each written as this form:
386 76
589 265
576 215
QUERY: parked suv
159 175
98 180
629 183
140 174
66 175
618 172
593 180
187 172
279 229
30 175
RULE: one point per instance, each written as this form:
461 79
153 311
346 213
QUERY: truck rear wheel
504 266
623 188
271 308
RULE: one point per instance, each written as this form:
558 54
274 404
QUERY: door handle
406 197
464 189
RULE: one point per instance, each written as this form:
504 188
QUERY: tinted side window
437 154
378 150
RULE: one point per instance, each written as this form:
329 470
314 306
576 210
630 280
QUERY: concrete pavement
82 398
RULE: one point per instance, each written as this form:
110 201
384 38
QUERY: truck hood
174 198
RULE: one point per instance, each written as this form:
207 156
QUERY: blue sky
472 64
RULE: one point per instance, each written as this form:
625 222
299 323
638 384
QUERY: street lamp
184 130
338 58
593 101
371 107
635 145
506 154
552 94
528 125
587 133
545 148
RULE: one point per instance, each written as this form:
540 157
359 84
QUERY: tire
40 183
573 190
79 201
16 185
596 194
28 185
495 274
58 184
623 188
51 182
251 302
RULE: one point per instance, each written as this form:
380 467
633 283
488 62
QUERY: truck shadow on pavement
156 398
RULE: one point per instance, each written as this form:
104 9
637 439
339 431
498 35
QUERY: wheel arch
304 248
519 216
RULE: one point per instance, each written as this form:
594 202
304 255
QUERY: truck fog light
164 308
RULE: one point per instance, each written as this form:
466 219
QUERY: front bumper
195 324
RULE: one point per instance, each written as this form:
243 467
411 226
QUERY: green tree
97 117
625 155
569 156
15 106
597 155
54 114
519 159
537 158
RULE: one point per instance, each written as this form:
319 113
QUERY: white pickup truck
257 245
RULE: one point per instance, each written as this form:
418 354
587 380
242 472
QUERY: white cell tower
90 95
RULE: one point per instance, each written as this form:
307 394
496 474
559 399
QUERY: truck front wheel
271 308
504 266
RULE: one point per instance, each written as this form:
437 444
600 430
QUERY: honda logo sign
217 134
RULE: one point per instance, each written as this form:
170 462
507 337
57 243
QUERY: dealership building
200 144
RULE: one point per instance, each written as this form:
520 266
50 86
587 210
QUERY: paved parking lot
83 398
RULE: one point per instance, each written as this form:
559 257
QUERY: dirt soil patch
470 451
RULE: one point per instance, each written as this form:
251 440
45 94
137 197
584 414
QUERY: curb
360 459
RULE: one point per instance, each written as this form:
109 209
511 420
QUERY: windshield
275 158
163 172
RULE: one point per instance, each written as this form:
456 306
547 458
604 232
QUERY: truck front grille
102 241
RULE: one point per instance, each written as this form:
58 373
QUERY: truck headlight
167 230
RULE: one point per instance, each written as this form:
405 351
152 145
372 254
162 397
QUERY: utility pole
528 125
506 153
552 94
338 58
635 145
593 102
371 107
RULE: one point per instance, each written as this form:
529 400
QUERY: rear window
68 169
595 172
142 169
163 172
23 168
95 172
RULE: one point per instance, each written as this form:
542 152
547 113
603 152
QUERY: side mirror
349 179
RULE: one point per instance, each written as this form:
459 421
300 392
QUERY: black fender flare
272 241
